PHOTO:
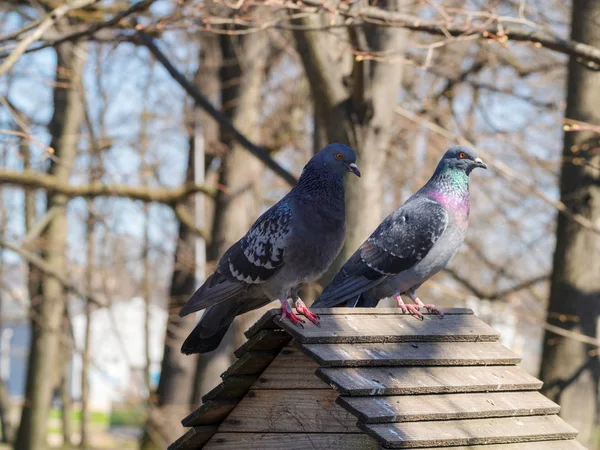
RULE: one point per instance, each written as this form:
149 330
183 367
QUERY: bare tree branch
92 29
587 53
49 270
48 21
260 152
37 180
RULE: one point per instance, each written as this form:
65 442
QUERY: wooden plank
411 408
194 438
540 445
383 311
264 340
471 431
413 354
427 380
250 363
291 369
266 321
231 387
391 328
210 413
290 441
290 411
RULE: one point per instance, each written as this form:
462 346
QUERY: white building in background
117 347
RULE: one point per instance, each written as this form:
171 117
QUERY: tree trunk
85 356
238 204
570 369
4 399
47 326
65 396
171 401
354 101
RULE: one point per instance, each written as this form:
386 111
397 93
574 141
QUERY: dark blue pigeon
290 245
412 244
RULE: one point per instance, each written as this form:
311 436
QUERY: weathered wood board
266 321
355 328
250 363
411 354
540 445
209 413
291 369
194 438
264 340
296 411
290 441
427 380
472 431
231 387
411 408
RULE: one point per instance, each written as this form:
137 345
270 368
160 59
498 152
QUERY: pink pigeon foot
302 309
419 305
412 309
286 312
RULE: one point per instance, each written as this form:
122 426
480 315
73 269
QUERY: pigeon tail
215 290
209 332
215 322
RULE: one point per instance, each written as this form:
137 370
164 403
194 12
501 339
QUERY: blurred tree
171 401
239 198
354 98
571 368
48 313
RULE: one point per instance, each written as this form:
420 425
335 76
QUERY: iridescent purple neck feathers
451 188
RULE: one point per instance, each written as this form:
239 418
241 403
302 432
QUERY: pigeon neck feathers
320 193
318 183
450 187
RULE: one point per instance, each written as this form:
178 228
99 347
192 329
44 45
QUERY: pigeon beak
480 163
354 169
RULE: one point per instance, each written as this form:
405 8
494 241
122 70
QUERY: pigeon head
338 159
460 158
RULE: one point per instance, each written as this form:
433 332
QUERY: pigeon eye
462 155
339 156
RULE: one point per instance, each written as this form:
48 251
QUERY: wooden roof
397 383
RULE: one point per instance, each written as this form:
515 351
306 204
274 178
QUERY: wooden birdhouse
376 379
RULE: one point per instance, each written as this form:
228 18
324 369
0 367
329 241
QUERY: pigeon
293 243
412 244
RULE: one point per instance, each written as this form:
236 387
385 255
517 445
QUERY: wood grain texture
384 311
264 340
411 408
296 411
266 321
357 328
231 387
194 438
290 441
250 363
540 445
291 369
471 431
427 380
411 354
209 413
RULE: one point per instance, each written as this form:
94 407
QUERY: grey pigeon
291 244
412 244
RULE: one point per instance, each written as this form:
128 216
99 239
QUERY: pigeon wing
252 260
402 240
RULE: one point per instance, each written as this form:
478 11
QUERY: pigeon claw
286 312
302 309
414 311
292 317
434 310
